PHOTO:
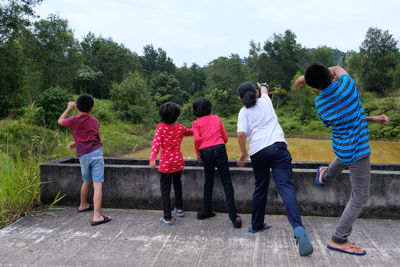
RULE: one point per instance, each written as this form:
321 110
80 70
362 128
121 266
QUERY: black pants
215 156
165 186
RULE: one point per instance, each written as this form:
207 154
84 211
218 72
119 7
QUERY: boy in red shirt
210 138
168 137
85 130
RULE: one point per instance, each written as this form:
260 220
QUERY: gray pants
360 175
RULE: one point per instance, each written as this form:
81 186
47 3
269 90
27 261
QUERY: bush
51 104
132 100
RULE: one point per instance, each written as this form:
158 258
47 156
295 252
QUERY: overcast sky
202 30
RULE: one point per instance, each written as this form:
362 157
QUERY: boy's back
339 106
85 131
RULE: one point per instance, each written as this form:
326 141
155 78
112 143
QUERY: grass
19 186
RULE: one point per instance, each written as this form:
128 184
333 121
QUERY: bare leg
84 195
97 198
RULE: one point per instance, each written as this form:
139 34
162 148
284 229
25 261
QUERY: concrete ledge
130 183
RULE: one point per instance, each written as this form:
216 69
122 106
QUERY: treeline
41 62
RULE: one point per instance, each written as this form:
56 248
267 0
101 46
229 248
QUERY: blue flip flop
317 177
167 224
346 252
179 214
305 246
266 227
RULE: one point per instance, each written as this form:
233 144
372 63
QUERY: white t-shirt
260 124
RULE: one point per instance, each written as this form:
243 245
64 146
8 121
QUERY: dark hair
169 112
84 102
202 107
247 92
318 76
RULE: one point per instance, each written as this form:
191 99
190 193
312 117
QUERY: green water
301 149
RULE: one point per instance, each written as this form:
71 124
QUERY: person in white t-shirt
258 123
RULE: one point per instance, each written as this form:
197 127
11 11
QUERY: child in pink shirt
210 138
168 138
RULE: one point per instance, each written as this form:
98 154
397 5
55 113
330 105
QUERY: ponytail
247 92
249 99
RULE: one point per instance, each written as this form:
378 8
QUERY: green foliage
105 56
54 50
324 55
20 186
187 116
278 61
224 77
165 87
156 61
85 79
11 77
51 104
378 54
14 16
132 99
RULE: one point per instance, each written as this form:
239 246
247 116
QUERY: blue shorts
92 166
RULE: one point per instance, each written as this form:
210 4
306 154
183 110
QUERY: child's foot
302 241
179 212
166 222
201 215
265 227
348 248
318 176
89 207
238 222
101 220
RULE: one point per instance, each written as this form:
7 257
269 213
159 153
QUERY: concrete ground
137 238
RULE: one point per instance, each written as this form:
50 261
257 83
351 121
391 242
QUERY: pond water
301 149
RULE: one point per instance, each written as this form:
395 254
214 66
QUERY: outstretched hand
383 119
299 83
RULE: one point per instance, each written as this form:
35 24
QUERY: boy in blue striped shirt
339 107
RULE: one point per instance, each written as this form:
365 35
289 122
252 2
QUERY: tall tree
165 87
156 60
324 55
378 53
14 17
132 99
223 77
112 60
55 50
278 61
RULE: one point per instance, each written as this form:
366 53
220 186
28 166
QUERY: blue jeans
277 158
215 156
92 166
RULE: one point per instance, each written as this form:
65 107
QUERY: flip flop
90 208
317 177
305 246
343 250
167 224
266 227
106 220
179 214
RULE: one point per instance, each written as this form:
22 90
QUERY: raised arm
63 116
263 88
337 71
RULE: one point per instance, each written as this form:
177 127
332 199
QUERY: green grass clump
19 186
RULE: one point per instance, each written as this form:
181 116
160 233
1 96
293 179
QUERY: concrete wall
130 183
